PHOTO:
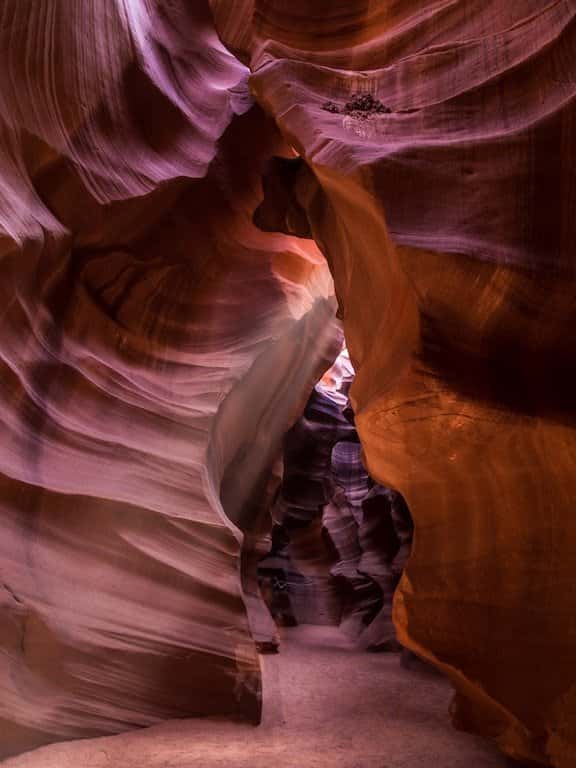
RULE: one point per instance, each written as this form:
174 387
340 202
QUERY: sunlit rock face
155 344
447 219
151 338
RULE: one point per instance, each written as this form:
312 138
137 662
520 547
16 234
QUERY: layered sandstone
446 217
156 344
152 338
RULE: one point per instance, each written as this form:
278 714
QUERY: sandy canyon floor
326 705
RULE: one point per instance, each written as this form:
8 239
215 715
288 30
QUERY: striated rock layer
155 344
447 219
152 338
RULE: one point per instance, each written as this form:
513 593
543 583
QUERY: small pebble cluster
361 105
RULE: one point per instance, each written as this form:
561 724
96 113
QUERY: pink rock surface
151 336
155 344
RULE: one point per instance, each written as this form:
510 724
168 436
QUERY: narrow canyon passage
326 705
201 203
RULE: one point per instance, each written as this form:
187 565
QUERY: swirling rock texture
447 219
143 312
339 542
296 571
152 339
299 559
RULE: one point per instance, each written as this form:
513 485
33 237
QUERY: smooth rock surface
155 344
151 337
449 226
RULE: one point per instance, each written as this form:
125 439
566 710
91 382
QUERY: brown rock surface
449 228
151 338
155 344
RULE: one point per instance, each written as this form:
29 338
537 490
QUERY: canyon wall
156 343
437 176
151 337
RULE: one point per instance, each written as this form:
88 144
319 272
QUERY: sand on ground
326 705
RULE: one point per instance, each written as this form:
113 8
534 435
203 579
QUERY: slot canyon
288 385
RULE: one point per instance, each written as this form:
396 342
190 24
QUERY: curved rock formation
156 344
151 338
444 205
